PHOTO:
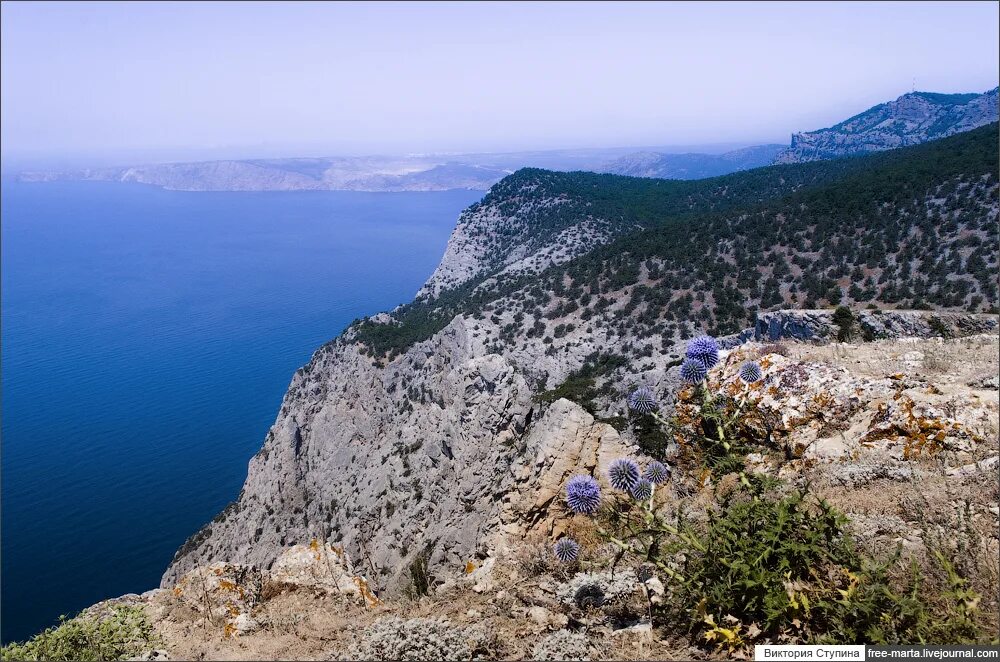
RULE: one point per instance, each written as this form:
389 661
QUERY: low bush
126 632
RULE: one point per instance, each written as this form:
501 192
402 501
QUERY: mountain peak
911 119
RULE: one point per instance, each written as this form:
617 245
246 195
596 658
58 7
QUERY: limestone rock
909 120
817 411
819 325
324 567
566 441
385 461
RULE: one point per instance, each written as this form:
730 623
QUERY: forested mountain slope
909 228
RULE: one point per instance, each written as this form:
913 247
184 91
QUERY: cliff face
387 460
437 432
897 433
425 455
909 120
498 236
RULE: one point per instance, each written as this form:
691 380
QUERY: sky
146 81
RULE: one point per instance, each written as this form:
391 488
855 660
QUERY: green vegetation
906 228
844 319
580 386
785 566
938 326
125 632
650 436
948 99
419 583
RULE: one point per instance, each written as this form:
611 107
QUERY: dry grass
956 360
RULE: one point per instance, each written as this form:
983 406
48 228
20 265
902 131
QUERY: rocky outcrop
564 442
497 237
909 120
423 457
817 410
870 324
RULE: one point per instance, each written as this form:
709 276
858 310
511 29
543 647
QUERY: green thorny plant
783 568
724 421
722 448
764 565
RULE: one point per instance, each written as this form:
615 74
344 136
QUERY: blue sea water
147 339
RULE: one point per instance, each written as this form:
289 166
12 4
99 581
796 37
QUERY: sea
146 340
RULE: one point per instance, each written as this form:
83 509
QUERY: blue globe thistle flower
642 490
656 472
642 400
583 495
704 349
751 372
693 371
623 474
566 550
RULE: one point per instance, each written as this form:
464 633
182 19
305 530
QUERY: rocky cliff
822 325
897 433
909 120
426 456
439 434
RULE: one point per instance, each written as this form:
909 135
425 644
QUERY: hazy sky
191 80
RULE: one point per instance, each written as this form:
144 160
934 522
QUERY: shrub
580 385
844 319
939 327
420 579
125 632
784 567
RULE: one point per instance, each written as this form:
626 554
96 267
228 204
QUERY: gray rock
989 382
563 645
909 120
395 463
871 324
857 475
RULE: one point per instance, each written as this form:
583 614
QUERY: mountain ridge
399 438
692 166
908 120
911 119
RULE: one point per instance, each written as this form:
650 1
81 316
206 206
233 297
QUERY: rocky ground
900 434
